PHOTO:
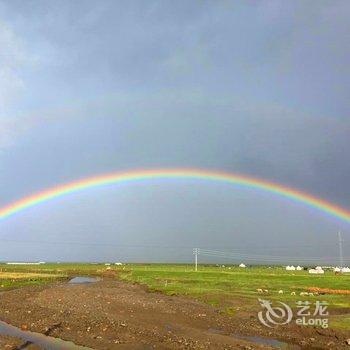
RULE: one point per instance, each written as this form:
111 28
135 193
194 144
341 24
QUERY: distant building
241 265
26 263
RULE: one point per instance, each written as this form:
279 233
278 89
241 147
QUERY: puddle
41 340
83 280
274 343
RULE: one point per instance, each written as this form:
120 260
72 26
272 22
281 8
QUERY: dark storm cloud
259 88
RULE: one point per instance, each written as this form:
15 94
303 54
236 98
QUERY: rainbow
197 174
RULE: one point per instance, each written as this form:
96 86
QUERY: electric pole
196 252
340 250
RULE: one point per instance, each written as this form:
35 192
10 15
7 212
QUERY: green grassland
15 276
232 289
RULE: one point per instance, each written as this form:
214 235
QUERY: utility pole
196 252
340 250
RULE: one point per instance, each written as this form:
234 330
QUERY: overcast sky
253 87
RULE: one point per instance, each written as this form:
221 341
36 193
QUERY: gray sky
254 87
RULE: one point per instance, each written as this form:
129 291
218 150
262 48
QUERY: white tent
336 269
299 268
345 270
290 268
242 265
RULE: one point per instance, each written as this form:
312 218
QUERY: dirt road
111 314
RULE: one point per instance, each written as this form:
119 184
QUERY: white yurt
336 269
345 270
299 268
242 265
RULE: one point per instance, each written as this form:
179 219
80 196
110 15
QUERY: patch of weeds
230 311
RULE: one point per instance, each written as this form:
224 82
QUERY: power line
258 257
238 249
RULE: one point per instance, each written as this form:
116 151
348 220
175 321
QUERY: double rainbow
144 175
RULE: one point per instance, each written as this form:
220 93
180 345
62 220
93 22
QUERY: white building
26 263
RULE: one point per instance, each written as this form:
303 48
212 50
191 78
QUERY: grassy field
15 276
232 289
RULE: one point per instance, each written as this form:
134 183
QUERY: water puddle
216 331
41 340
274 343
83 280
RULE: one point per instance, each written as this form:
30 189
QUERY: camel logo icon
272 316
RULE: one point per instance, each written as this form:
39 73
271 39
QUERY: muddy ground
11 343
112 314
